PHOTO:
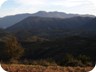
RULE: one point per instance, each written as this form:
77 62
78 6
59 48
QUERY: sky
11 7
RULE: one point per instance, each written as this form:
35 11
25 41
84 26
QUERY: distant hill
56 14
11 20
44 23
50 27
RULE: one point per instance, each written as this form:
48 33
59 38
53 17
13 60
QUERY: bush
44 62
13 49
70 60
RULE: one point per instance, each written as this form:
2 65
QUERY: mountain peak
11 20
41 12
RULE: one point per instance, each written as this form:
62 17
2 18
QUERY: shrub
13 49
44 62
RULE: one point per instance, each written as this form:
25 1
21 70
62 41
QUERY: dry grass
38 68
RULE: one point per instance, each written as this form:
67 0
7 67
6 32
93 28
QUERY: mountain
56 14
91 26
48 27
3 33
11 20
61 40
45 23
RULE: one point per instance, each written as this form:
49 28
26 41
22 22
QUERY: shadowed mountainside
53 27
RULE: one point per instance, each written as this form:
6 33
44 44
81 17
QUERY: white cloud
30 2
65 3
57 2
70 3
93 1
31 6
1 2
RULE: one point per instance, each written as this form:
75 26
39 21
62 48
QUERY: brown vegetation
38 68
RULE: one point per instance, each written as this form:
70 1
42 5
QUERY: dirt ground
38 68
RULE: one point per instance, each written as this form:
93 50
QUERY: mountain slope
49 23
48 27
91 26
11 20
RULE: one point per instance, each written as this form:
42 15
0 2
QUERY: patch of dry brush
38 68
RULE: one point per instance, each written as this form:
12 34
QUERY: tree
13 49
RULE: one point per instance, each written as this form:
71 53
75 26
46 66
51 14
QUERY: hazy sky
11 7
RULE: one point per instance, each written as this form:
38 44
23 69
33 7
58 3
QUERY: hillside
59 41
50 27
90 26
8 21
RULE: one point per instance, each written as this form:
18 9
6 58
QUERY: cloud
12 7
30 2
66 3
2 1
70 3
93 1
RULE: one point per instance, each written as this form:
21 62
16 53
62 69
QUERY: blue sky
11 7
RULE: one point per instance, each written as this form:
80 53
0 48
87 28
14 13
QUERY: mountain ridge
11 20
